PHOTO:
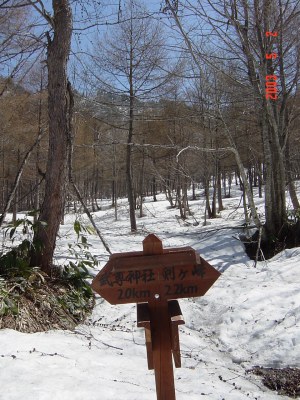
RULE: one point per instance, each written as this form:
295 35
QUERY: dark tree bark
206 191
59 131
219 187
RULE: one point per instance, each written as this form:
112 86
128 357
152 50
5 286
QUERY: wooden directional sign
154 278
154 273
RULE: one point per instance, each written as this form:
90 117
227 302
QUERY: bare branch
42 11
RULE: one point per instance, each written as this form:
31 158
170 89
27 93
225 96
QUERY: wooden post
162 351
176 318
152 245
160 333
143 320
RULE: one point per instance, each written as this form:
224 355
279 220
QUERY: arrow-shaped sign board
154 274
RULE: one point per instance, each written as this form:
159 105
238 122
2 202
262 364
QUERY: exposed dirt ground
285 381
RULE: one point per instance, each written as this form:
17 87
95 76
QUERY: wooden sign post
154 278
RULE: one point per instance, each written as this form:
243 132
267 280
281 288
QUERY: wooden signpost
154 278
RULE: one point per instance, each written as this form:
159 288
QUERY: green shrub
22 285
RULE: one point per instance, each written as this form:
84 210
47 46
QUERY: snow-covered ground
251 316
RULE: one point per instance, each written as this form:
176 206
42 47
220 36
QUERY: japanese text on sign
150 275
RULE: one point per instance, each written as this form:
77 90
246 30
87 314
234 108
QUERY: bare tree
130 60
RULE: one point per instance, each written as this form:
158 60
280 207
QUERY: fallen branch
86 210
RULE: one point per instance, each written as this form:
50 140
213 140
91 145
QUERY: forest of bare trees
102 102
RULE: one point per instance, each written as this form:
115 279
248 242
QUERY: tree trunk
214 197
207 204
274 180
141 182
58 111
224 184
194 191
292 189
130 193
247 221
219 187
154 189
